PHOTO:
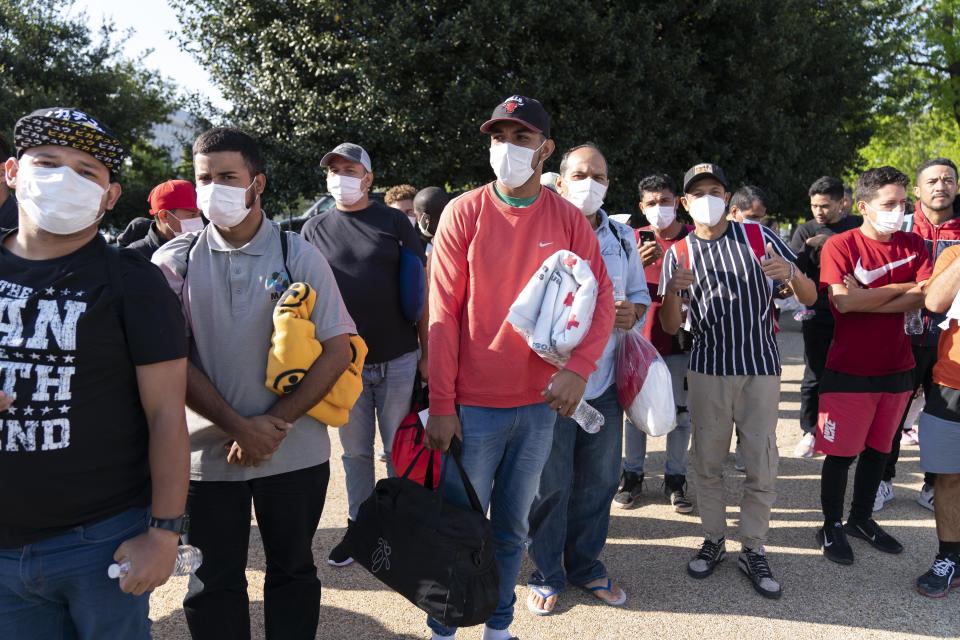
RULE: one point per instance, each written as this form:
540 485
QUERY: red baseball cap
172 194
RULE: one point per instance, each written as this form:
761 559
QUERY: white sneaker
884 495
804 448
925 497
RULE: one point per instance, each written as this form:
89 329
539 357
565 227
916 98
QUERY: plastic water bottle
912 323
589 419
189 559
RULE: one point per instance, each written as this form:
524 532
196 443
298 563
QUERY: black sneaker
833 541
870 531
941 578
340 555
675 488
631 486
710 555
753 563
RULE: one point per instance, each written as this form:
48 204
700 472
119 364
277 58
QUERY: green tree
49 57
777 93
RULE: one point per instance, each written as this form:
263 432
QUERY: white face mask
586 195
512 164
707 209
223 205
59 200
660 217
346 190
887 221
187 225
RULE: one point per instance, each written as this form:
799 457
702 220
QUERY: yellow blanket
295 348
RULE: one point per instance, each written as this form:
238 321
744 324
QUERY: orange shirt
947 369
484 253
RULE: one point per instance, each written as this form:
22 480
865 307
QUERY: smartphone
647 236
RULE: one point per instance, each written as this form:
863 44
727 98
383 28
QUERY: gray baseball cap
350 151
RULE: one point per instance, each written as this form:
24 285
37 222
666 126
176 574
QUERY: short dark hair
585 145
6 151
231 139
872 180
827 186
746 195
657 182
937 162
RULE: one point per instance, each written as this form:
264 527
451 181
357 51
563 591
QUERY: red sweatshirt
484 253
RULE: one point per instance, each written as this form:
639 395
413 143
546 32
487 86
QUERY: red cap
172 194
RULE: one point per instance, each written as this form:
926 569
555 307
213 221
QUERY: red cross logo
572 322
570 261
568 302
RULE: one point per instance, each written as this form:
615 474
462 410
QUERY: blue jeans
678 440
504 451
570 515
384 401
58 588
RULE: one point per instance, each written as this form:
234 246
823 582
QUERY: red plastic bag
408 442
644 386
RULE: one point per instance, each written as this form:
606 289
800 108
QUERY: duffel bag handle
455 451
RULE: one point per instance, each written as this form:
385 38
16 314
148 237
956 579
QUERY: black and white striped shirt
730 314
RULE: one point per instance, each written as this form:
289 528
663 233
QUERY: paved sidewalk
647 552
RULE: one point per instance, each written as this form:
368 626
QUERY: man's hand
679 281
775 266
851 283
5 401
626 315
260 436
152 556
817 241
564 392
650 252
440 431
423 369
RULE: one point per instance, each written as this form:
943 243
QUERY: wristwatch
179 526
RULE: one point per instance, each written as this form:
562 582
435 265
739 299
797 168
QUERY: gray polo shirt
228 301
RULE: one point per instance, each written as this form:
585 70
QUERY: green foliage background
778 93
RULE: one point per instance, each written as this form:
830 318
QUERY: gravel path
647 551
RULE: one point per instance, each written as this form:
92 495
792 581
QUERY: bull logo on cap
510 104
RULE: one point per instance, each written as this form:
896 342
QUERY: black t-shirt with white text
74 444
363 249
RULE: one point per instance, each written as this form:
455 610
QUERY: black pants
288 508
816 342
925 357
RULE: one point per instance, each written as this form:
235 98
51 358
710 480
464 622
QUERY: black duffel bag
437 555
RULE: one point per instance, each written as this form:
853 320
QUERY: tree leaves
776 93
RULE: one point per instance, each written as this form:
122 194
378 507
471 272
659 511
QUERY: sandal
544 592
622 598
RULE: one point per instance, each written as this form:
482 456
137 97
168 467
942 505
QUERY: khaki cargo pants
715 404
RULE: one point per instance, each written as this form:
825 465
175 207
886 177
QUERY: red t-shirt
652 331
871 344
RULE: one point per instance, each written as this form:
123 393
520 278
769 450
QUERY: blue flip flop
544 592
608 587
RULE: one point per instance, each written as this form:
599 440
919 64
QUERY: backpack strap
284 250
683 252
620 239
186 263
755 239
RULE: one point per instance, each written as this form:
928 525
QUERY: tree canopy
776 93
48 58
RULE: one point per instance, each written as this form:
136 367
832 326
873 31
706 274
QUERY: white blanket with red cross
554 311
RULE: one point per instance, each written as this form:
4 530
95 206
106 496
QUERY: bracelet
793 272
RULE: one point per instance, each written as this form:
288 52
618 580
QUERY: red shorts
851 421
